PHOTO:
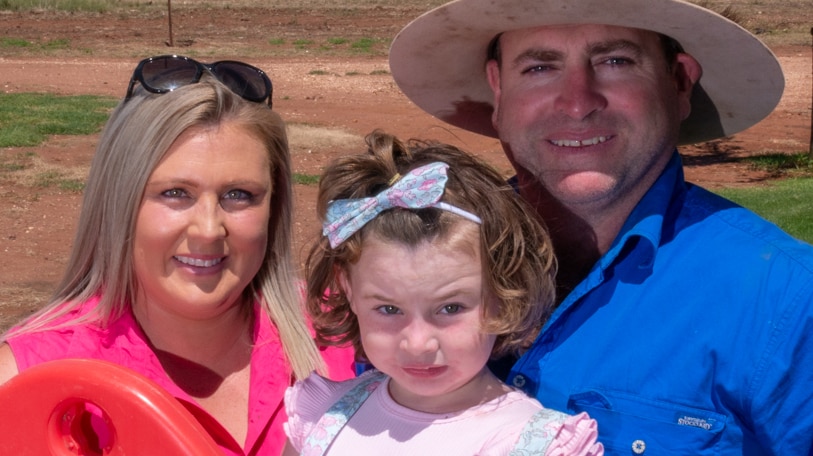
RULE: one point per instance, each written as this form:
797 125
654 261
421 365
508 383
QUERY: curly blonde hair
517 257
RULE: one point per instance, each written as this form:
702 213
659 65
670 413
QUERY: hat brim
438 60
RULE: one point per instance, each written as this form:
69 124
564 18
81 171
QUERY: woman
181 266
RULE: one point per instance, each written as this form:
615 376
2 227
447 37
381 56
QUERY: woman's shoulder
33 347
70 328
8 365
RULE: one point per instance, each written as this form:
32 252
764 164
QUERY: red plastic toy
95 408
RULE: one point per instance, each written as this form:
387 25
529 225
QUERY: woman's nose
208 219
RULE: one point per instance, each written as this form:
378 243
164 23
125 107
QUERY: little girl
429 265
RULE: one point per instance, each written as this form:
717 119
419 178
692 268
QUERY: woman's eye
174 193
388 309
238 195
451 308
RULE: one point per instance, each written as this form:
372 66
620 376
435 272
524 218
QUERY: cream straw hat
438 60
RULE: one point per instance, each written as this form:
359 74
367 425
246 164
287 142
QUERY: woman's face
202 227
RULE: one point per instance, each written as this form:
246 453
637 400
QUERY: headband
420 188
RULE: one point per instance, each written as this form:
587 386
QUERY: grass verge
788 203
27 119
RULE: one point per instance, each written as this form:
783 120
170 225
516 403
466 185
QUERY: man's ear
687 72
493 76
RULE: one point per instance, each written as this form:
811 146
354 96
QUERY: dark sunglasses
166 73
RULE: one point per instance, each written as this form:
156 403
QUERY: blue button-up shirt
692 335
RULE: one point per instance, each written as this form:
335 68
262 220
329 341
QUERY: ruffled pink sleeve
577 437
305 403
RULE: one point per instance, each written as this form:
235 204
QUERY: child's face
420 316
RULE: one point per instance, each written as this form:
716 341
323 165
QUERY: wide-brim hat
438 60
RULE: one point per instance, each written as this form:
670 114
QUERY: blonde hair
135 139
516 253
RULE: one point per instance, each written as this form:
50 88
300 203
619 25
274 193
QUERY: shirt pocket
633 425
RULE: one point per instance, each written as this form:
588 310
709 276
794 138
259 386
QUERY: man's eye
618 61
540 68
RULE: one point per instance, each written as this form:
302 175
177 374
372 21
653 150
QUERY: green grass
96 6
12 43
17 162
779 22
55 178
788 203
306 179
27 119
794 165
57 44
302 43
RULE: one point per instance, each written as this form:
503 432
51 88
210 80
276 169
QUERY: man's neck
579 239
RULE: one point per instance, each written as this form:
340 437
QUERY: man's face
590 111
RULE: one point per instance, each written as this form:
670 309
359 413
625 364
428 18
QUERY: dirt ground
331 100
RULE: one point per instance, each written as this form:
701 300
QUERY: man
685 323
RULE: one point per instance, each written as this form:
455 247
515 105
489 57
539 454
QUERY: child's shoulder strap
328 427
539 432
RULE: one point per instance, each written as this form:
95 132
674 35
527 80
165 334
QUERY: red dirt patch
353 94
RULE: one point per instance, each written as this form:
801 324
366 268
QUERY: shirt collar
642 231
646 221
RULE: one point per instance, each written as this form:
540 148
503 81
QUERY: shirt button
519 381
638 447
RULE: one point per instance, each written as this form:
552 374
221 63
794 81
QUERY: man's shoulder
727 226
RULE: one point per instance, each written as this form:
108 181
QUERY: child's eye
388 309
451 308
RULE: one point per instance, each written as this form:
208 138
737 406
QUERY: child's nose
420 337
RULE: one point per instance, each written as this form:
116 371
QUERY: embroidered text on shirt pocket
628 424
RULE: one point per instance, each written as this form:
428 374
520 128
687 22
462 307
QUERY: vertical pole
169 16
810 151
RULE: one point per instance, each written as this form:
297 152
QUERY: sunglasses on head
166 73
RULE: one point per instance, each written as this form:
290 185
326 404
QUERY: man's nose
578 94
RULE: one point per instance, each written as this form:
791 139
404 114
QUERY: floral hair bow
420 188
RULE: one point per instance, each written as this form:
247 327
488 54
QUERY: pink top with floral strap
319 408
